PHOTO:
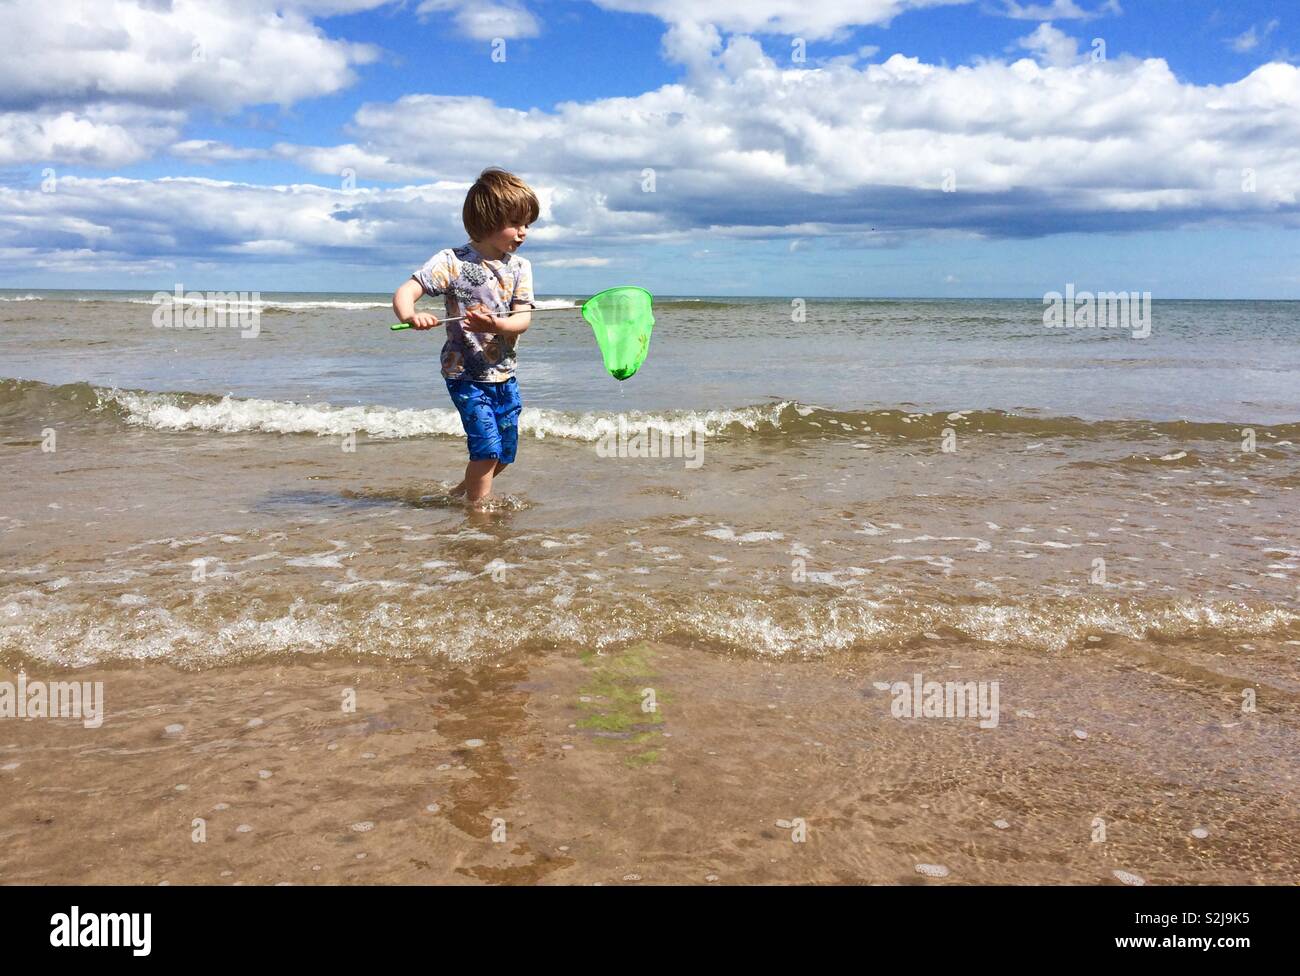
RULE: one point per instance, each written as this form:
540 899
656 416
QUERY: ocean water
1232 362
858 477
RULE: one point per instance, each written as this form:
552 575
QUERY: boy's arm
517 323
404 300
477 320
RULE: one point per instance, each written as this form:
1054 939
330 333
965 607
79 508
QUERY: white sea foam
728 534
164 411
177 412
320 560
49 629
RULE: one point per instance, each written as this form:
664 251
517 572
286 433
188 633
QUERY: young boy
484 279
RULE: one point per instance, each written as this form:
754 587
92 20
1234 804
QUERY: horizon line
560 295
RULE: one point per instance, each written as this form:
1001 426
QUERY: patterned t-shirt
466 278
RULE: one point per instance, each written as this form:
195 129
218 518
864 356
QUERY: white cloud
692 44
97 135
81 261
815 21
222 54
1058 10
484 21
211 151
365 166
194 218
837 155
573 263
864 53
1064 144
108 83
1251 38
1052 46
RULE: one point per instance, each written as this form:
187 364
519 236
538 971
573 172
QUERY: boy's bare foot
457 491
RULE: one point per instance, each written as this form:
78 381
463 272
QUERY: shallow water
544 769
192 526
1066 511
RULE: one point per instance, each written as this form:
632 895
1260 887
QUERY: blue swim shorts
489 412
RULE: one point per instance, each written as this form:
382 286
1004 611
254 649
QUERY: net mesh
622 320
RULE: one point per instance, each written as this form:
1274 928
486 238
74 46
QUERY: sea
831 475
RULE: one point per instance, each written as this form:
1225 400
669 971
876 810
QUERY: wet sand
547 769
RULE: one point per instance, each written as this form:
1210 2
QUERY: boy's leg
477 410
503 434
461 488
478 478
507 410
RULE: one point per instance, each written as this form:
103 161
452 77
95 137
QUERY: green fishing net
622 320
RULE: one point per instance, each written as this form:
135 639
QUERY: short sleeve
523 284
435 275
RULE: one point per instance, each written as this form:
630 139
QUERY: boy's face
509 239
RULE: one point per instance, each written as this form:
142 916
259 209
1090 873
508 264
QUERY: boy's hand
477 320
422 321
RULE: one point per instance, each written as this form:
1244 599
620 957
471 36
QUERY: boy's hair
496 200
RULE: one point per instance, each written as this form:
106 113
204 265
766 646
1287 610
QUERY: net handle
397 326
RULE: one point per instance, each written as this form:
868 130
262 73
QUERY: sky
836 148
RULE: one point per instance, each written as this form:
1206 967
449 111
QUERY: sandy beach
548 770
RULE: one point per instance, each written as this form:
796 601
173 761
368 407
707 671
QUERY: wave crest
783 419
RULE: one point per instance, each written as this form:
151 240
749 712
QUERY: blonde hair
497 199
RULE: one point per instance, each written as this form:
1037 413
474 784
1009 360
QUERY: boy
484 279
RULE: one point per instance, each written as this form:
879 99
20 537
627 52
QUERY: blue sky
919 147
